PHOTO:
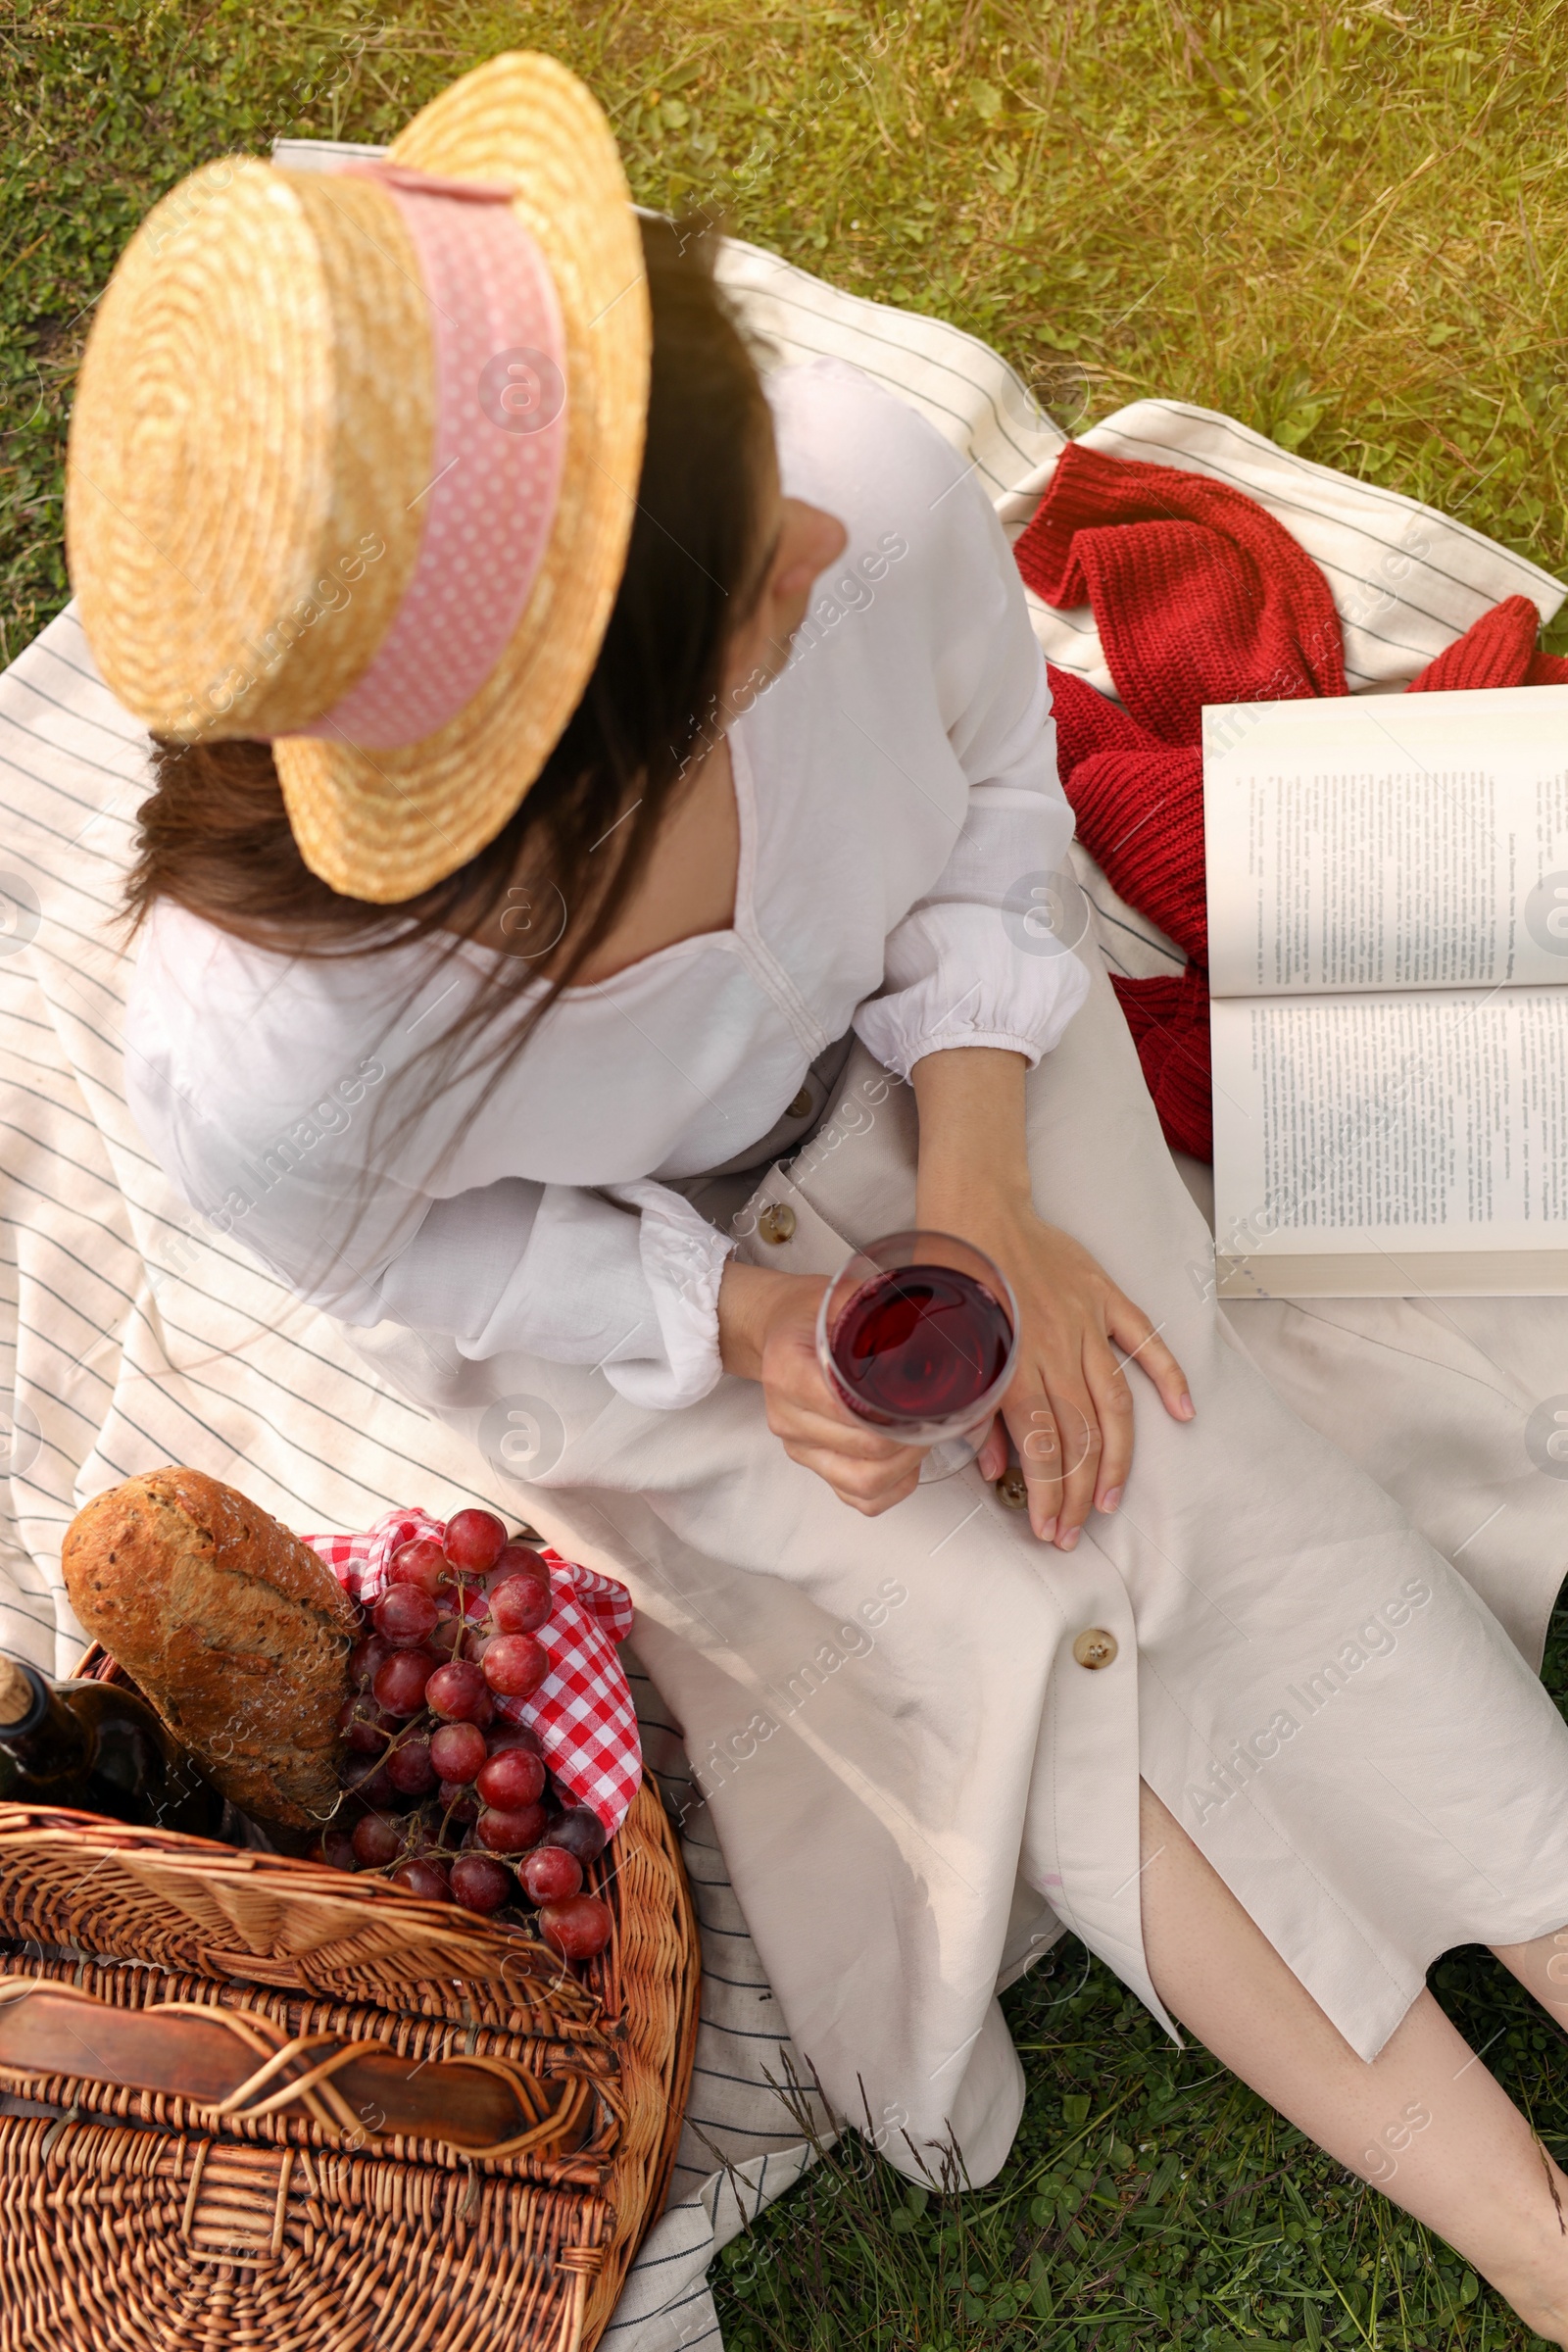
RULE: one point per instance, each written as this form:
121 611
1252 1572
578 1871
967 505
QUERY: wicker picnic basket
287 2214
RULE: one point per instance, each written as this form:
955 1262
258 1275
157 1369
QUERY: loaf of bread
230 1627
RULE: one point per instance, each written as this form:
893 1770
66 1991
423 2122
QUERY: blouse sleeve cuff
683 1260
903 1027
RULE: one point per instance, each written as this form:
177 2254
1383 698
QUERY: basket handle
230 2065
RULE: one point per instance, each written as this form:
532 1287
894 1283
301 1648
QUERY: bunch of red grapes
454 1804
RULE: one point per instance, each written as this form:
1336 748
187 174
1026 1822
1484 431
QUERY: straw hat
354 462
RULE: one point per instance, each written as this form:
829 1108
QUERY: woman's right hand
768 1331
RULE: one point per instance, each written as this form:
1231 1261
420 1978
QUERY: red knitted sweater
1200 597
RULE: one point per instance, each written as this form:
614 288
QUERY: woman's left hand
1068 1408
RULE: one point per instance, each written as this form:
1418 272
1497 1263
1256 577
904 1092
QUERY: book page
1354 1124
1387 842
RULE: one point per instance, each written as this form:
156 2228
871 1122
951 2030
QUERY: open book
1387 929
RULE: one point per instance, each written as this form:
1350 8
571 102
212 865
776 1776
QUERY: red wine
920 1344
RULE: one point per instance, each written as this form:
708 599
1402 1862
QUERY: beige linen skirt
921 1736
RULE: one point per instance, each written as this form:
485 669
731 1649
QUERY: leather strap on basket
266 2091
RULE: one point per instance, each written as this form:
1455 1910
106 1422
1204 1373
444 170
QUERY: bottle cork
16 1693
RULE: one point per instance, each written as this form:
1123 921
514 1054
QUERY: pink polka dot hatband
353 465
500 436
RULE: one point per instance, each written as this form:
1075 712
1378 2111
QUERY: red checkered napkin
583 1710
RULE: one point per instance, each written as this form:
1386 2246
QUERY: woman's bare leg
1542 1968
1424 2120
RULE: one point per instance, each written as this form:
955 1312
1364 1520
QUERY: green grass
1346 226
1151 2199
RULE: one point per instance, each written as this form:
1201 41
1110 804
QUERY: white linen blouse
900 818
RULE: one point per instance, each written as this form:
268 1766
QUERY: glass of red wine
916 1336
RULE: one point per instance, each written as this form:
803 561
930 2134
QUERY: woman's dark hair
215 836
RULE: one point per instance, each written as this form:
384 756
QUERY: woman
536 911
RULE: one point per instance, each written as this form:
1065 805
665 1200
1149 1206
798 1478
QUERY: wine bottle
98 1748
